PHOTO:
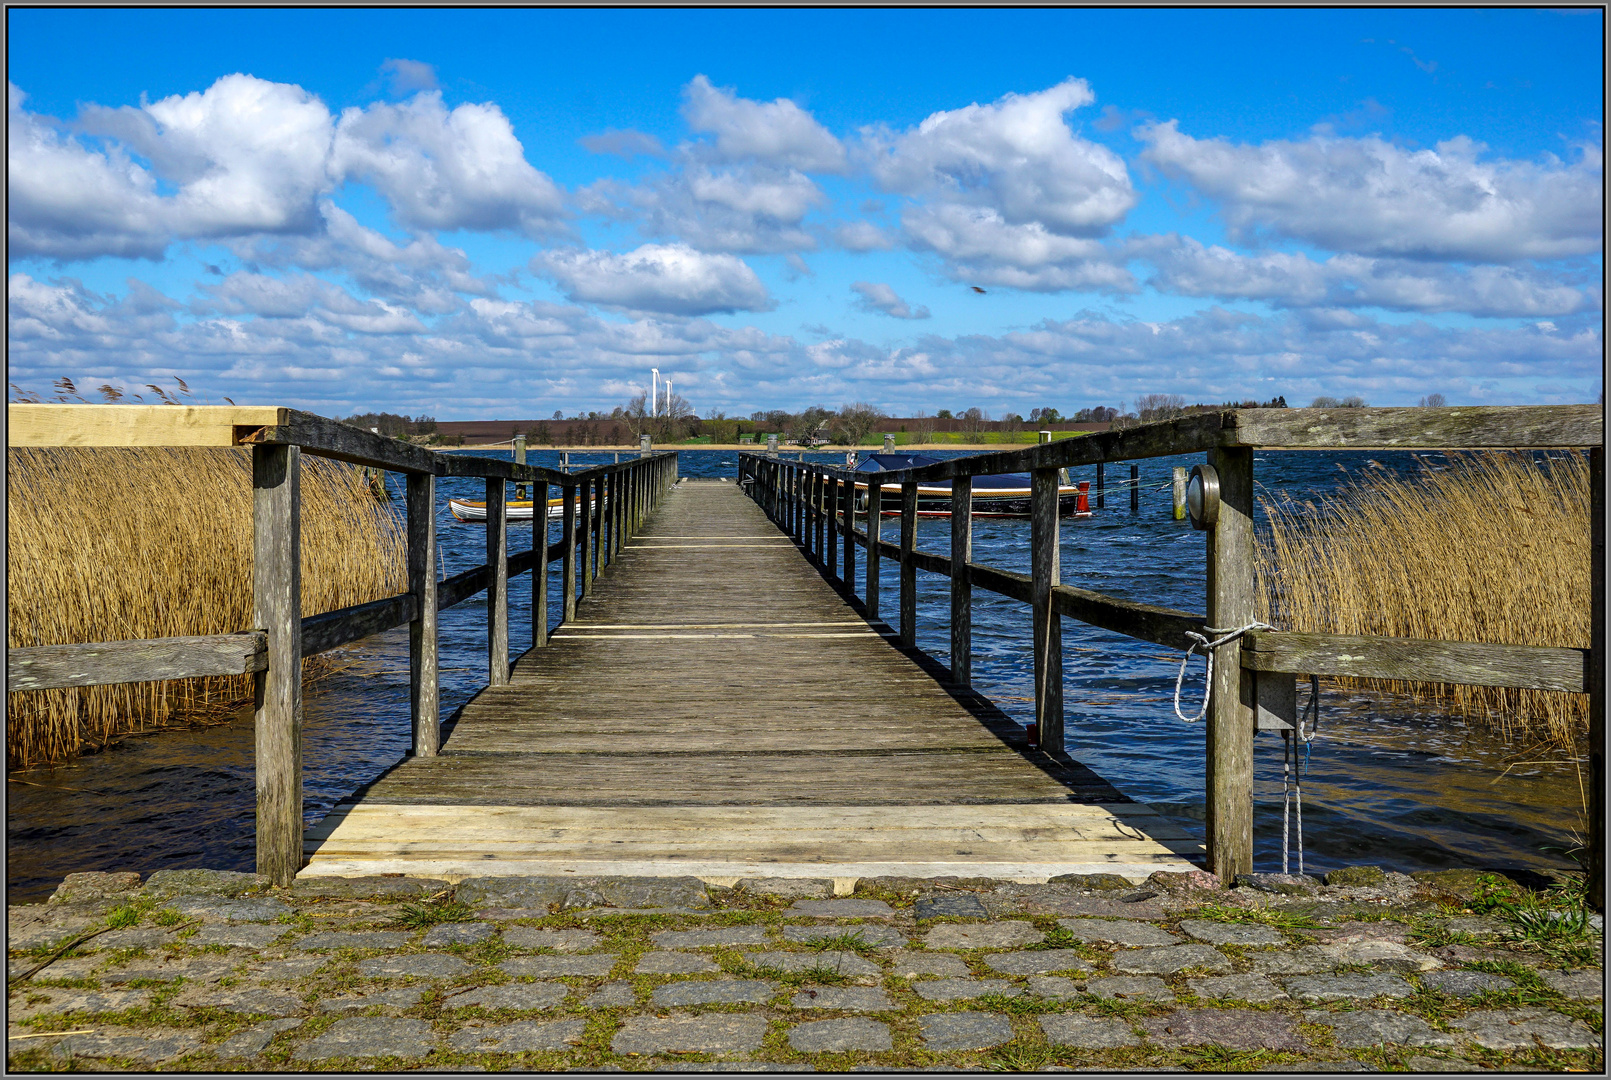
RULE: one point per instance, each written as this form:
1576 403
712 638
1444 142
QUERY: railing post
908 628
849 505
567 540
1048 625
497 585
961 581
1101 486
1178 492
424 694
584 537
1597 659
277 609
875 528
1231 713
520 459
539 570
1135 489
830 523
597 484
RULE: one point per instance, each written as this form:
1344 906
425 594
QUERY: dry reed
1492 548
122 544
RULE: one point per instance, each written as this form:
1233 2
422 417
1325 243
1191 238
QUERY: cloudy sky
500 213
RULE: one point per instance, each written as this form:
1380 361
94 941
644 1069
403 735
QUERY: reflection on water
1386 783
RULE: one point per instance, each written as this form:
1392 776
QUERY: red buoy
1082 501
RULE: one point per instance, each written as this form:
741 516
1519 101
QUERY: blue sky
500 213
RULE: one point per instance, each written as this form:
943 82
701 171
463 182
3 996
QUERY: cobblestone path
208 970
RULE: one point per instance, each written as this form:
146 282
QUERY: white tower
654 393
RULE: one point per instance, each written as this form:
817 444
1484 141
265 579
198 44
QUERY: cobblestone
1087 1032
1131 987
837 1036
674 963
1118 932
963 989
847 998
715 992
360 992
964 1030
1001 935
716 1033
1347 987
1373 1027
1038 962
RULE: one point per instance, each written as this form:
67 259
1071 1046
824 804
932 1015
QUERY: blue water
1387 782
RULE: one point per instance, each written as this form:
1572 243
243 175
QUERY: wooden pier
717 701
717 708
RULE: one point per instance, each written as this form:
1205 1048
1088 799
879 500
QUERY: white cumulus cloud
1370 197
878 297
447 169
668 279
777 133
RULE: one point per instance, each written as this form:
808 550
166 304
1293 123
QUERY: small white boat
513 510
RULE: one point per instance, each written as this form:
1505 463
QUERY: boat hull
514 510
999 502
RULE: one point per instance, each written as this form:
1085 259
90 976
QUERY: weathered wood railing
815 504
602 507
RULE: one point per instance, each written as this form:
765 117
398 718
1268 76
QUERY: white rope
1292 777
1208 647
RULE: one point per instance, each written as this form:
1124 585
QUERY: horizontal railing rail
1254 678
600 507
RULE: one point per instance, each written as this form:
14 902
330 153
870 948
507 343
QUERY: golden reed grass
119 544
1492 548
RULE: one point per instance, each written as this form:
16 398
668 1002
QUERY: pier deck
719 709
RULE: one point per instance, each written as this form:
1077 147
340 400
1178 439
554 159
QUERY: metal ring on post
1202 497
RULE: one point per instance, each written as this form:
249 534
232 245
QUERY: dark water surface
1387 783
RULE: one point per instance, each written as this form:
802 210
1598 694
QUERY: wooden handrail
620 494
1254 673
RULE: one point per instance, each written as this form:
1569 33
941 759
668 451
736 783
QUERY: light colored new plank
135 425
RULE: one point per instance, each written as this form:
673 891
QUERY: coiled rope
1201 641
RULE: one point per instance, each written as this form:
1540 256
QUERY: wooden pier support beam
277 691
497 586
424 697
908 626
539 569
1045 555
875 564
961 581
847 504
584 539
567 540
1231 710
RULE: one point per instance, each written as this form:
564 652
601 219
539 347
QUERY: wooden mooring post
424 694
277 691
1232 703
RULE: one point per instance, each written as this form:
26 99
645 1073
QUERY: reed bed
1492 547
121 543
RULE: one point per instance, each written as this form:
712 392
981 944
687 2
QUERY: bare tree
806 427
635 414
1324 401
1159 406
1353 401
975 419
856 422
1434 401
922 427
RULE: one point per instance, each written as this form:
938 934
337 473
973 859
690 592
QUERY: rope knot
1227 634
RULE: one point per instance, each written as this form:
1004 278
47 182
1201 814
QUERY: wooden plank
460 587
961 581
1456 428
332 439
908 614
424 690
1232 704
332 629
1159 625
497 585
1419 660
134 425
277 610
1045 555
104 663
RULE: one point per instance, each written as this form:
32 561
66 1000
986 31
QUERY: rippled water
1387 782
